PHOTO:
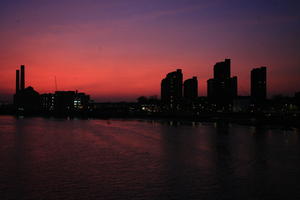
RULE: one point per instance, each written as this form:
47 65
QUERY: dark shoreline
285 120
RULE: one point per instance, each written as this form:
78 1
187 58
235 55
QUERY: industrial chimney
22 77
17 81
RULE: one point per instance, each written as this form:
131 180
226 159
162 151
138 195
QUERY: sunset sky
118 50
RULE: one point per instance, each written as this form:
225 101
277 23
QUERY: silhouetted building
67 102
171 89
233 87
147 105
191 88
211 91
241 104
64 102
26 100
222 70
222 89
47 102
259 84
81 101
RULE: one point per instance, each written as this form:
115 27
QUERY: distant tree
153 99
142 100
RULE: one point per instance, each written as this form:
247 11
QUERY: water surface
133 159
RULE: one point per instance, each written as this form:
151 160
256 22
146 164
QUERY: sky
118 50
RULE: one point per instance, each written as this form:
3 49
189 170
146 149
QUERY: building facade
222 88
259 84
191 88
171 89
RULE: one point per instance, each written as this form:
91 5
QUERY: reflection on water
146 159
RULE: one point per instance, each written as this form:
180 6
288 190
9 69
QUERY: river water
142 159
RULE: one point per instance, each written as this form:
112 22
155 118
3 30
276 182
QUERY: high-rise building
222 89
171 88
211 91
259 84
233 87
222 70
191 88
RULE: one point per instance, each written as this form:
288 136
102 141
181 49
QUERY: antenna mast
55 83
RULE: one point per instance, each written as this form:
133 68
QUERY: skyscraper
222 88
191 88
233 87
222 70
171 88
258 84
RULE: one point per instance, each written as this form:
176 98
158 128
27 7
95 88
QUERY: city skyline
174 88
177 95
119 50
220 69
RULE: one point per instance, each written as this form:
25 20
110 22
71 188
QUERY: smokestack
22 77
17 81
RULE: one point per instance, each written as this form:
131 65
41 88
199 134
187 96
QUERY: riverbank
251 119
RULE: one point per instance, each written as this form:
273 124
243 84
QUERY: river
47 158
